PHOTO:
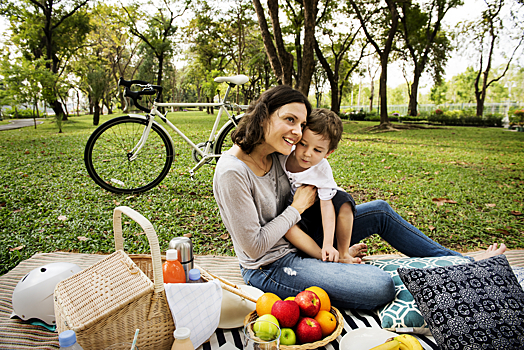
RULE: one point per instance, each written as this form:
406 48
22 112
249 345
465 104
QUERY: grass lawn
461 186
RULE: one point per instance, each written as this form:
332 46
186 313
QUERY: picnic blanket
16 334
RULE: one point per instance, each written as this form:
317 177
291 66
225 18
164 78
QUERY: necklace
263 169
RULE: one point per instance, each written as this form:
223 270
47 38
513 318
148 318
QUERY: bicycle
133 153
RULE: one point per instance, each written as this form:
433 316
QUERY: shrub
373 117
438 111
517 117
18 113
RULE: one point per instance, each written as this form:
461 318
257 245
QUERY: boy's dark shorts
311 222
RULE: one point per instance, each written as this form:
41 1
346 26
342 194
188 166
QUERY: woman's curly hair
250 130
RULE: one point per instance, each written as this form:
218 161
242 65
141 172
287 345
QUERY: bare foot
348 259
491 251
355 254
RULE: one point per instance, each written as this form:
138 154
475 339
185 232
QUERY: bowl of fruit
307 321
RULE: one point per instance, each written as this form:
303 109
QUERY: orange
327 321
265 303
325 303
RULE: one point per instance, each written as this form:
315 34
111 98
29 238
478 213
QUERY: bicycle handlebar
147 89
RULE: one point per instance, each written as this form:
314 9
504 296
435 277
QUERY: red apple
308 331
287 312
308 302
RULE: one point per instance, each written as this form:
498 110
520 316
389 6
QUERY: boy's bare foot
348 259
491 251
355 254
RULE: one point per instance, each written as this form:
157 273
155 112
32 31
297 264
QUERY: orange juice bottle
172 269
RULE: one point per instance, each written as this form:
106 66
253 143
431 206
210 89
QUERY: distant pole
359 88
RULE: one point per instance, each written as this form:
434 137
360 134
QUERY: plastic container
194 276
182 339
67 341
172 269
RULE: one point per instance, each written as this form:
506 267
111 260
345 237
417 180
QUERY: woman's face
284 127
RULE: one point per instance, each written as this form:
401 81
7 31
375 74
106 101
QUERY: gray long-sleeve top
254 210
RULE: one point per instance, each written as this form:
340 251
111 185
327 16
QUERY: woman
252 193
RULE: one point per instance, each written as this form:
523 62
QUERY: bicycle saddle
236 80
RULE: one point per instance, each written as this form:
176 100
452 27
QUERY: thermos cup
184 246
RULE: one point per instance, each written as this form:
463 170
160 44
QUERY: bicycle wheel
107 155
224 142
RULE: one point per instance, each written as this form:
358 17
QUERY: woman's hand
304 198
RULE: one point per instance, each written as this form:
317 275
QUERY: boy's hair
326 123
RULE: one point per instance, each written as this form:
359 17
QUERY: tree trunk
332 78
268 42
308 57
413 100
59 110
383 90
480 107
96 114
286 59
160 69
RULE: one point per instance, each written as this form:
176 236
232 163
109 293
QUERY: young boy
307 165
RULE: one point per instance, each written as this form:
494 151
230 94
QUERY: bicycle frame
206 153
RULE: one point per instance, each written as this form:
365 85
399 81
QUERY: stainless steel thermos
184 246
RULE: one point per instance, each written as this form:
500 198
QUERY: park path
19 123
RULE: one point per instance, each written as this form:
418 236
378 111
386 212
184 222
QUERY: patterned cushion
519 273
402 311
472 306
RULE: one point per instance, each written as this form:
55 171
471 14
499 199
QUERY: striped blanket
16 334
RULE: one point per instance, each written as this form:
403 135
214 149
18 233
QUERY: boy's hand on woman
329 253
304 198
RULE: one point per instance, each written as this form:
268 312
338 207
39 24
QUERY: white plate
365 338
234 308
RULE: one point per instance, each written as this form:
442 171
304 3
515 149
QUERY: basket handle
146 225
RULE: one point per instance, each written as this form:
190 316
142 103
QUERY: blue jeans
358 286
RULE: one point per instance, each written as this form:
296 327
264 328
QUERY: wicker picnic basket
307 346
105 303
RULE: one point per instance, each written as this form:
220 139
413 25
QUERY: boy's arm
327 210
302 241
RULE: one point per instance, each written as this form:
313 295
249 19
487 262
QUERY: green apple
288 337
266 327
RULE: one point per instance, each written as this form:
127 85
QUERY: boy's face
311 149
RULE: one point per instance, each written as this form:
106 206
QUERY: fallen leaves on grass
441 201
82 238
62 218
516 213
491 205
431 228
20 247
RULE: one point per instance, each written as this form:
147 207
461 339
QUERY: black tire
224 142
106 156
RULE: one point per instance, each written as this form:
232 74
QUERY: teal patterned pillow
402 311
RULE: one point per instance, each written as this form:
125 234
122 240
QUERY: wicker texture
323 342
105 303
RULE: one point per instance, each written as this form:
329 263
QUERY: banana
403 346
388 345
409 341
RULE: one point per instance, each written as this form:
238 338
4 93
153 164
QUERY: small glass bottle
182 339
67 341
172 269
194 276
